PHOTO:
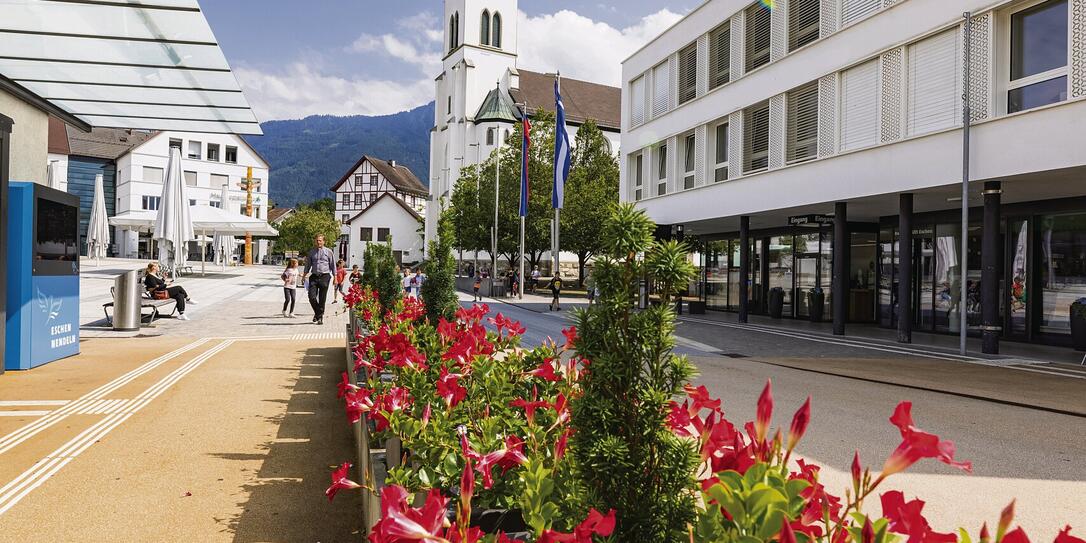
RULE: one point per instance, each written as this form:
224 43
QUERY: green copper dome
497 107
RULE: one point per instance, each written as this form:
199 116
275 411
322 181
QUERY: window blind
803 23
660 85
720 55
802 135
758 36
637 101
860 106
756 138
933 83
854 10
688 73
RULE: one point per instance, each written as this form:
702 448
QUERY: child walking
475 288
340 279
290 287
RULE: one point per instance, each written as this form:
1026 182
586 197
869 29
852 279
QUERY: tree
297 232
380 273
439 290
327 205
469 223
590 191
626 456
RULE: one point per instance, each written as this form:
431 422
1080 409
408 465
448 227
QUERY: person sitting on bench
159 289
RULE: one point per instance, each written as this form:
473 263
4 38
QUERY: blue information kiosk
43 276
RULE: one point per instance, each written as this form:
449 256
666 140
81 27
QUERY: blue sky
368 57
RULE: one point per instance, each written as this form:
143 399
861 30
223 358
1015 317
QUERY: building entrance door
806 271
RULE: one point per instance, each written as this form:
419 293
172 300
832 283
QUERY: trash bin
776 302
126 301
816 302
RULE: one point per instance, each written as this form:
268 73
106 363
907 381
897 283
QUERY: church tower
479 51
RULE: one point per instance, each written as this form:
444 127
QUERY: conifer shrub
439 290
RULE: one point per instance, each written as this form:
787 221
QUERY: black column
905 269
841 246
744 267
990 260
5 157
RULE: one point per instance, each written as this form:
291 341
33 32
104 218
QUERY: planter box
696 307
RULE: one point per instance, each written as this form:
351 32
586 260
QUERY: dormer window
484 28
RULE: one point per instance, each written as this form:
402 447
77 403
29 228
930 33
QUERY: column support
905 269
5 158
744 268
841 246
991 262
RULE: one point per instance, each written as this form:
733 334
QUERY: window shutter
803 123
661 83
756 138
759 25
933 83
860 106
637 101
720 55
854 10
688 73
803 23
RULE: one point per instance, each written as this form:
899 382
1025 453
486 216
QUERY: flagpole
523 187
555 234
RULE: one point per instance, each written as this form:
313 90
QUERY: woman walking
290 287
160 290
556 291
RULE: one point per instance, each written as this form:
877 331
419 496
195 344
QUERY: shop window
756 138
688 73
661 170
720 172
720 55
758 36
803 23
689 153
802 136
1038 71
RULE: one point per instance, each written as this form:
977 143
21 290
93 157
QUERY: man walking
322 263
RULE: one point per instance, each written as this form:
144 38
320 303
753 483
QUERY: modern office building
480 87
818 144
375 200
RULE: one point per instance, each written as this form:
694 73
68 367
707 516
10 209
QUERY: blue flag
561 150
525 143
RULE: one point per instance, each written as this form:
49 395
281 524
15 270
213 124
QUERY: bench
146 302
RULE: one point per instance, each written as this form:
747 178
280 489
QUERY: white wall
403 227
29 139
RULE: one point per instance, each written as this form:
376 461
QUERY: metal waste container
126 301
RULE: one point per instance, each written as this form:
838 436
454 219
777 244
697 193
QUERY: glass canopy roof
145 64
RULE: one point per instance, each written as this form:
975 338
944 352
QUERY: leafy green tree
626 456
327 205
439 290
380 273
469 223
297 232
590 190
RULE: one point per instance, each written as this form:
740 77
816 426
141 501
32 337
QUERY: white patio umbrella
98 226
173 224
224 243
52 175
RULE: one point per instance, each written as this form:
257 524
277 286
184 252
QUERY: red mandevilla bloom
401 523
787 535
917 444
571 337
530 407
765 412
340 481
546 371
449 388
867 535
906 518
856 470
345 386
595 524
1017 535
701 398
561 410
358 402
800 420
1065 536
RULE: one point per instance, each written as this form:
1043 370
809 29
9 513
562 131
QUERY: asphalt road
1035 456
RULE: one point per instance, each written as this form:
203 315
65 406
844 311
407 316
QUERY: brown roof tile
583 100
110 143
276 213
58 137
399 175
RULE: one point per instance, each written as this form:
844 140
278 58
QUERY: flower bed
503 442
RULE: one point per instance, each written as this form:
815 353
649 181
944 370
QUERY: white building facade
365 215
818 145
209 161
480 59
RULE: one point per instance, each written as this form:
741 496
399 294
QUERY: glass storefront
1060 268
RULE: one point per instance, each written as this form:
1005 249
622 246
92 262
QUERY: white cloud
583 48
300 91
428 61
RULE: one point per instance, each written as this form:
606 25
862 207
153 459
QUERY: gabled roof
582 100
108 143
58 137
399 175
277 213
406 207
497 107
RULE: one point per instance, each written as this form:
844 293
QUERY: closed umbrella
224 243
52 175
98 226
173 224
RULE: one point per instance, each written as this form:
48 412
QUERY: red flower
765 411
340 481
799 424
546 371
345 386
529 407
1017 535
561 409
503 323
985 537
1005 519
906 518
401 523
571 337
856 471
701 398
678 419
867 535
472 534
510 455
447 330
563 442
595 524
426 413
473 314
467 490
787 534
449 388
917 444
358 402
1065 536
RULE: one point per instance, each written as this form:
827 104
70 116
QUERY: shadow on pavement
288 503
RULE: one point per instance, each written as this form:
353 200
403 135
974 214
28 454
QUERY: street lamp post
494 232
963 303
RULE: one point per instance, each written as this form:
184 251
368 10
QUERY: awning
205 220
143 64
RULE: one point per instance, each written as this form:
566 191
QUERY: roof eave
29 97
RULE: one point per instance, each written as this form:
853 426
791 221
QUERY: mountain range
307 156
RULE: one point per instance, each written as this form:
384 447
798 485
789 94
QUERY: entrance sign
815 219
